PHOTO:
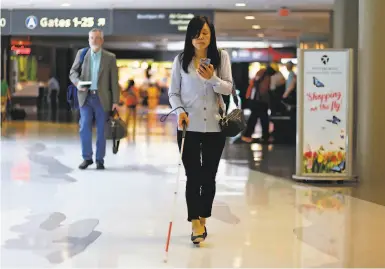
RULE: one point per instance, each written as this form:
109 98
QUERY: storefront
51 38
247 62
43 43
146 73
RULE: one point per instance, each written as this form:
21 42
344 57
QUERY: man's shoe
100 166
84 165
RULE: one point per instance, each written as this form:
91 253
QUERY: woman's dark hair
131 83
194 29
270 71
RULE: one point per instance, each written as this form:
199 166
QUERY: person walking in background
259 101
291 81
277 80
99 67
5 96
196 89
131 96
53 93
277 88
53 90
153 94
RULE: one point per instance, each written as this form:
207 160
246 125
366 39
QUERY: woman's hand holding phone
205 70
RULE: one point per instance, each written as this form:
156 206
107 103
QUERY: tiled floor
53 215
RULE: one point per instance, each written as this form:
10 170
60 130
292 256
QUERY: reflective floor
55 216
279 160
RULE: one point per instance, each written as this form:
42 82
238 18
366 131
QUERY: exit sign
283 12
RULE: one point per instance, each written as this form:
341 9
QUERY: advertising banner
5 22
155 22
59 22
324 118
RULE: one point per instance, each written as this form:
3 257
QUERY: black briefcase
115 130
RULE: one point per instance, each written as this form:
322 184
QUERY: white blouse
198 96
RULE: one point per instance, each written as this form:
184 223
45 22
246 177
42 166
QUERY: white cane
175 193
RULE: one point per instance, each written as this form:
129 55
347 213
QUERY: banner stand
316 178
325 116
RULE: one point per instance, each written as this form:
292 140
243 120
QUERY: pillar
5 56
371 100
344 23
370 134
331 29
359 24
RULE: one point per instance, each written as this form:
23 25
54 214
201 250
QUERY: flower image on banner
325 111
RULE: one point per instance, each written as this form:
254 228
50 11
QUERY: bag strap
233 92
115 142
114 113
164 117
82 56
235 98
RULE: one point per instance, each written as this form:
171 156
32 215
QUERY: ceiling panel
169 4
232 25
272 26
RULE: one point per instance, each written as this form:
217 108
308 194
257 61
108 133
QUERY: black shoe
84 165
100 166
205 233
197 239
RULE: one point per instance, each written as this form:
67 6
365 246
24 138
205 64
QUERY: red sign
21 50
15 42
283 12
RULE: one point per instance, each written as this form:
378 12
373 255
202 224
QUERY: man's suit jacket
108 86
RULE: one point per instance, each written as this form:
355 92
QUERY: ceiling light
240 4
261 35
241 44
65 4
250 18
179 45
256 27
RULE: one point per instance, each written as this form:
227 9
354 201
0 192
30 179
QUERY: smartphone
206 61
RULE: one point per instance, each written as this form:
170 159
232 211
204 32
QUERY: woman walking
200 75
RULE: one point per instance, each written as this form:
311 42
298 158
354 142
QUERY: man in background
277 88
291 81
95 100
53 93
258 96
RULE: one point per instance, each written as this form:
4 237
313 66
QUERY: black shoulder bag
233 123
